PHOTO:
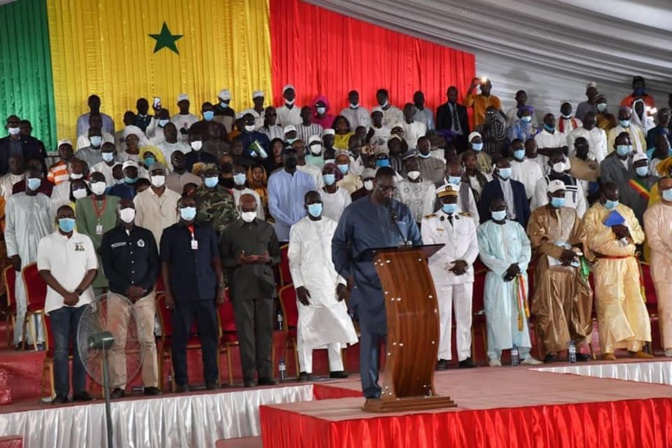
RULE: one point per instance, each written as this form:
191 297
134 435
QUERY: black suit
493 190
444 122
30 147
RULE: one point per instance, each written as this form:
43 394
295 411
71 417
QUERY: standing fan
110 333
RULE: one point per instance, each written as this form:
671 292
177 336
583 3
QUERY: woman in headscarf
321 115
149 155
135 139
257 179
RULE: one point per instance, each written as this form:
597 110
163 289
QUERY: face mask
249 127
519 154
602 107
149 161
129 180
642 171
566 117
477 146
14 131
526 119
108 156
223 105
385 104
316 150
505 173
449 209
188 213
354 105
208 115
624 123
158 181
548 128
499 215
96 140
413 175
127 215
329 179
196 145
321 110
119 181
382 162
211 182
291 140
423 156
98 188
289 103
74 176
454 180
66 225
667 195
610 205
623 150
248 216
343 168
559 167
34 183
239 179
163 123
368 185
315 210
557 202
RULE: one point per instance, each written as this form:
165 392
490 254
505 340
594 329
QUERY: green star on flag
166 40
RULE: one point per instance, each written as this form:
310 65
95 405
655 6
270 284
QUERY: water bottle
282 368
280 319
515 357
572 352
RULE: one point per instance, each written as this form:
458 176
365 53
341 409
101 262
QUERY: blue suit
365 225
493 190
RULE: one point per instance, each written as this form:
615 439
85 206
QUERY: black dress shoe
117 393
550 358
467 364
442 364
152 391
267 382
181 388
82 396
59 399
340 374
212 386
303 376
582 357
248 384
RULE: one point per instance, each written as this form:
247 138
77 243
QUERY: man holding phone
481 101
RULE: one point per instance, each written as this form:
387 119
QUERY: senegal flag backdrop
126 49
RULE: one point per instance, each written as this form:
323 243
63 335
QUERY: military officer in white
453 272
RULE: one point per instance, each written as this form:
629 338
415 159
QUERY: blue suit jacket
492 190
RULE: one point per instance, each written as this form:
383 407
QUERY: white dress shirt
527 173
287 116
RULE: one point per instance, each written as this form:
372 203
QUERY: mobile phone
157 102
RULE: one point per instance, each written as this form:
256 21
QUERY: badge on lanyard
194 241
194 244
99 229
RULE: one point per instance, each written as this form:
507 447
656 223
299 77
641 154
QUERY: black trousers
254 321
205 313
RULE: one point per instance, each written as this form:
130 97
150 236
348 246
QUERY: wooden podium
412 331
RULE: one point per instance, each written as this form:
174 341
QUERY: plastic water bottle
282 368
280 319
572 352
515 356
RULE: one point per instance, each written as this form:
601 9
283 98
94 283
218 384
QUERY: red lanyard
98 212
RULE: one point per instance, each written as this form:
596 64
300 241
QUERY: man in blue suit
513 193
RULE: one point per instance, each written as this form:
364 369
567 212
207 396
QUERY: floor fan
110 333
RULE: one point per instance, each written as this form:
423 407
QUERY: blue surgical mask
498 215
454 180
667 195
519 154
34 183
526 119
623 150
238 179
128 180
602 107
163 123
223 105
291 140
642 171
558 202
96 140
610 205
66 225
624 123
548 128
329 179
149 161
343 168
449 209
382 162
315 210
208 115
108 156
188 213
477 146
211 182
504 173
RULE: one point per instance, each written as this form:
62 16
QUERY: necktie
456 121
450 220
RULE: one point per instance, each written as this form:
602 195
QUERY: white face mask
98 188
74 176
79 194
316 149
158 181
248 216
14 131
249 127
321 110
127 215
196 145
559 167
354 105
413 175
289 103
368 185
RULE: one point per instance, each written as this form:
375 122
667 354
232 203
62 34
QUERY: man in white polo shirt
67 262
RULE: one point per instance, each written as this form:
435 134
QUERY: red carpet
499 408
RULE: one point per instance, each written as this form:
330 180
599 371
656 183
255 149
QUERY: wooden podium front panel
412 324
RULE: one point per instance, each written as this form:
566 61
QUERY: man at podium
374 222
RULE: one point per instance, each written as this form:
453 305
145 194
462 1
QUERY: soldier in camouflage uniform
215 203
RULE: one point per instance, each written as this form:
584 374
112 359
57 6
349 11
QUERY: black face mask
227 168
291 163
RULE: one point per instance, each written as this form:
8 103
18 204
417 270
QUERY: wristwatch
221 285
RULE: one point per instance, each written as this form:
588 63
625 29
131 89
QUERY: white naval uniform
460 243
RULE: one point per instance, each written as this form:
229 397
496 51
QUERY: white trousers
459 297
21 310
306 358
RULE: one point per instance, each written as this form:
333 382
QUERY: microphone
393 216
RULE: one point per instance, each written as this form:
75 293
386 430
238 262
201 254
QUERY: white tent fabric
550 48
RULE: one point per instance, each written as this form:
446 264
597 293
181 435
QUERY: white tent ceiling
551 48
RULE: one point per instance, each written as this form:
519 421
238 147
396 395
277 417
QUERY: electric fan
110 334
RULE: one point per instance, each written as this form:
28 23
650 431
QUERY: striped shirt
58 172
304 132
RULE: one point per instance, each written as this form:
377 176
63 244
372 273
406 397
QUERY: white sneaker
495 363
531 361
668 353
